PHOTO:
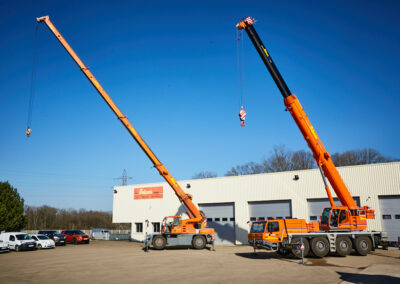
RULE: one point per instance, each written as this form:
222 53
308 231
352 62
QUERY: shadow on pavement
208 247
368 278
261 255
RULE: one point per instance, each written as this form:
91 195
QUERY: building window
217 219
279 217
209 219
224 219
260 218
397 216
139 227
270 218
288 217
387 216
156 227
313 218
233 219
252 218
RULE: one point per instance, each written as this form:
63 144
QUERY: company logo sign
148 192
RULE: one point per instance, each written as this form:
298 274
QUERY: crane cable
32 88
240 66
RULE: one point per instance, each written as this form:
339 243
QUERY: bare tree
46 217
246 169
204 174
281 159
359 157
302 160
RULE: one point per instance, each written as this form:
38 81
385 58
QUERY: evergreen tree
12 217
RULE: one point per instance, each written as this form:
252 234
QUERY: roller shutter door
221 217
263 210
390 216
315 207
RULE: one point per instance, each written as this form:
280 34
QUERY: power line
124 178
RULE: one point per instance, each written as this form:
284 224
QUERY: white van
3 247
18 241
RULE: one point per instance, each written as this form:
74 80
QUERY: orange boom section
348 216
196 219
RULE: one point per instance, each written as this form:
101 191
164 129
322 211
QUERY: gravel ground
126 262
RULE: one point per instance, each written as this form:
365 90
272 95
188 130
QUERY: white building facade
231 202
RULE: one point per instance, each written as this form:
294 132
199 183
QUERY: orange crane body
196 224
345 219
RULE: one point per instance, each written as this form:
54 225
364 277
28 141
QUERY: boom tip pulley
245 23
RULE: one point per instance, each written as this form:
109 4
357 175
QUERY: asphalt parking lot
126 262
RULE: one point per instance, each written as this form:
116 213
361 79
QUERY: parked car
59 239
3 247
43 241
75 236
18 241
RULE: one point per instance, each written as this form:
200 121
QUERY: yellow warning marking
173 181
266 52
313 132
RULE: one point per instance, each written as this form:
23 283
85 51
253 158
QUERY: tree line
47 217
283 159
15 216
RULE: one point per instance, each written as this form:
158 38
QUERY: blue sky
171 68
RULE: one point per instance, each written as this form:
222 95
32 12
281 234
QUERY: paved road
125 262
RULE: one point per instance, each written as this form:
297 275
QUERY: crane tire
159 242
199 242
343 246
297 252
320 246
363 245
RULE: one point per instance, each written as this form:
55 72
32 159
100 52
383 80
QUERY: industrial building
231 202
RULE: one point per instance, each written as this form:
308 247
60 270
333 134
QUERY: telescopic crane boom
197 220
321 156
192 210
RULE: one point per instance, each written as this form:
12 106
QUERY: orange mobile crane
341 227
175 230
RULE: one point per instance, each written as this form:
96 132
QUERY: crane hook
28 132
242 116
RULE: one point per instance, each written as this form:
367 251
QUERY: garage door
264 210
315 206
390 215
221 217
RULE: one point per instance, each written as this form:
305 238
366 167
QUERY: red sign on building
148 192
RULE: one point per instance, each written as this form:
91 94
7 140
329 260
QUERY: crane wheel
159 242
363 245
343 246
199 242
320 246
297 252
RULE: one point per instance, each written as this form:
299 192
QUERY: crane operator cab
169 223
343 218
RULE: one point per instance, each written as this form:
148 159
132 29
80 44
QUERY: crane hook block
242 116
28 132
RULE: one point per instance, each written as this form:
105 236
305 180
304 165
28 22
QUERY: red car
75 236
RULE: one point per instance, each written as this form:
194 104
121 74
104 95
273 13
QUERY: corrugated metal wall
366 181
